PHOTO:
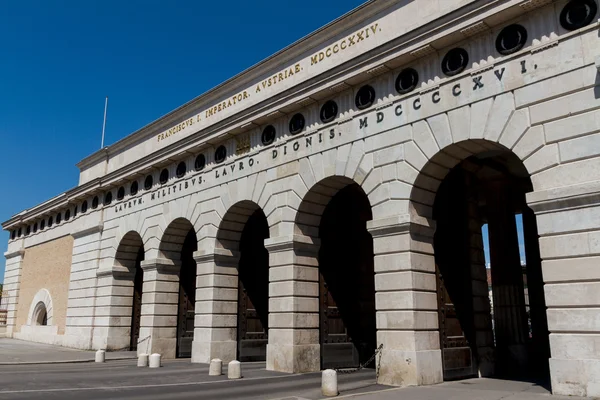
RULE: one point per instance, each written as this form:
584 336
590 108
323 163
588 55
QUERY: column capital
117 271
217 255
163 265
293 242
400 224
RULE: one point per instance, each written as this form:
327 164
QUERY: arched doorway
187 295
492 316
130 254
243 232
336 211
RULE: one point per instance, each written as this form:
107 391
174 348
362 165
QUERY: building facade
329 201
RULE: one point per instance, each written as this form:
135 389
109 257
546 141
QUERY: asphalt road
177 379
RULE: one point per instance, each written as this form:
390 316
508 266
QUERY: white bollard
234 370
329 385
216 367
154 360
143 360
100 356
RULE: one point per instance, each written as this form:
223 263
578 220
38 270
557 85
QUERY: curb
91 360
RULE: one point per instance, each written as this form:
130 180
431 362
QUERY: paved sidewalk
471 389
14 351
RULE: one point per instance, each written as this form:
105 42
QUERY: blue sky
61 58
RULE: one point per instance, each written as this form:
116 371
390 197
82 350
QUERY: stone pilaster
114 299
12 280
160 299
215 332
407 316
293 304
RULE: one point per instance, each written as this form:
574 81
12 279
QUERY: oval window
329 111
13 235
50 222
121 193
58 218
42 224
577 14
84 206
20 233
200 162
35 227
297 124
268 135
455 62
365 97
28 230
133 189
95 202
75 211
108 198
220 154
181 169
164 176
148 182
407 81
511 39
67 215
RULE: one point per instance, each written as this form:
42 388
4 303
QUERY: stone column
114 298
215 332
160 300
510 317
407 316
293 304
10 290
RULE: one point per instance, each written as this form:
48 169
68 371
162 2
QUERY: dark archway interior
253 294
136 309
492 320
347 281
187 296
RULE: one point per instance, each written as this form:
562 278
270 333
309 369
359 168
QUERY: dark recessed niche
50 222
13 235
28 230
67 215
42 224
329 111
75 211
511 39
200 162
121 193
95 202
577 14
164 176
84 206
455 61
268 135
108 198
407 81
297 124
365 97
220 154
20 233
58 218
133 189
181 169
148 182
35 227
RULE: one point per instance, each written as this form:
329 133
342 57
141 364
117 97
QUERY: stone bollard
143 360
234 370
154 360
100 356
329 385
216 367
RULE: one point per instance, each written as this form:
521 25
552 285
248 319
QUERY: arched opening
40 315
491 306
244 230
336 211
187 294
130 255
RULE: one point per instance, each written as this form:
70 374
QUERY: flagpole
104 123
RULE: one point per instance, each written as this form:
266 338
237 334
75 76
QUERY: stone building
330 200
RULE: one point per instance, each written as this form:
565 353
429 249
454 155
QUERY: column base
203 352
411 368
166 347
294 358
575 377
